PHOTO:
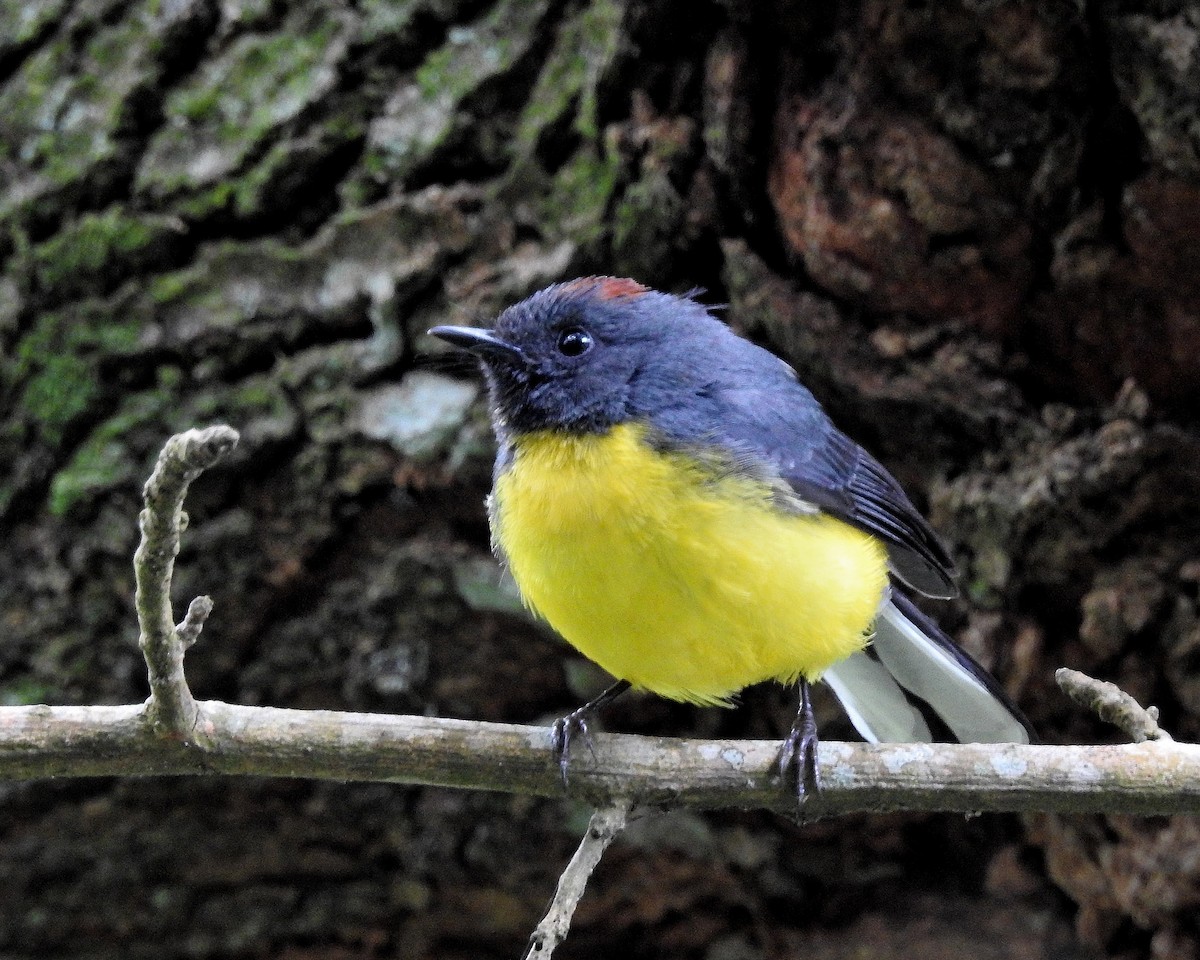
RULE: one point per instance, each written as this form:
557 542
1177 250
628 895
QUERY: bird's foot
565 730
798 756
575 726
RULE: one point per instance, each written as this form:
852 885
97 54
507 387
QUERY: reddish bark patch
1126 308
885 210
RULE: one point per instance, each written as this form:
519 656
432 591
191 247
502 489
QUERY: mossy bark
971 227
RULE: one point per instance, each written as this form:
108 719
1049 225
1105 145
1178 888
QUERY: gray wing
778 428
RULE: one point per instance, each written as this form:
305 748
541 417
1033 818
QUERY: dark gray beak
483 343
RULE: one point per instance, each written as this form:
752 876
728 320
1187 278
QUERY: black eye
574 342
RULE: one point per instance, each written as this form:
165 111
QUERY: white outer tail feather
875 703
871 692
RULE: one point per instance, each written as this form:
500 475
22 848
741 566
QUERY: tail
911 654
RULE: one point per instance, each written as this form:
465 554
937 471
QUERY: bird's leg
576 724
798 758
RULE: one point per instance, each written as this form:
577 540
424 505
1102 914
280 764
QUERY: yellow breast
683 581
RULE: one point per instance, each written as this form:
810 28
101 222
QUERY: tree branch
1154 777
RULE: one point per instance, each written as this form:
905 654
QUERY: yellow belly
682 582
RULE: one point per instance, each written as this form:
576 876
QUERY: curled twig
1112 704
184 457
602 829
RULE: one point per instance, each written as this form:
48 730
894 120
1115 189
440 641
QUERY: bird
674 502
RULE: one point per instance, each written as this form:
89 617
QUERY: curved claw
798 756
565 729
575 724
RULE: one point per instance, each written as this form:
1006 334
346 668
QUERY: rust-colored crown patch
607 288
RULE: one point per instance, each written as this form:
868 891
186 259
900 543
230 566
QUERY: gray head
586 355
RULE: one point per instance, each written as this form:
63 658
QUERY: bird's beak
484 343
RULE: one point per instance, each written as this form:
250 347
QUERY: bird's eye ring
574 342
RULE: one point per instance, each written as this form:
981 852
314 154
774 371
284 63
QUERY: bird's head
586 355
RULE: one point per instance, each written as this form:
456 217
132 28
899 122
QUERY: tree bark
971 227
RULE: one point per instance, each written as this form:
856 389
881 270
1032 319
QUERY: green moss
94 467
423 116
583 50
83 250
197 104
375 164
58 392
22 22
168 378
208 201
29 102
435 75
253 191
559 86
25 692
65 106
260 395
56 363
103 461
261 82
387 18
480 51
580 193
258 83
170 287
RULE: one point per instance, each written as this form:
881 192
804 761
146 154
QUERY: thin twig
1112 704
171 708
602 829
190 626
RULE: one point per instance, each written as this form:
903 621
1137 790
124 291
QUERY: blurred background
972 226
